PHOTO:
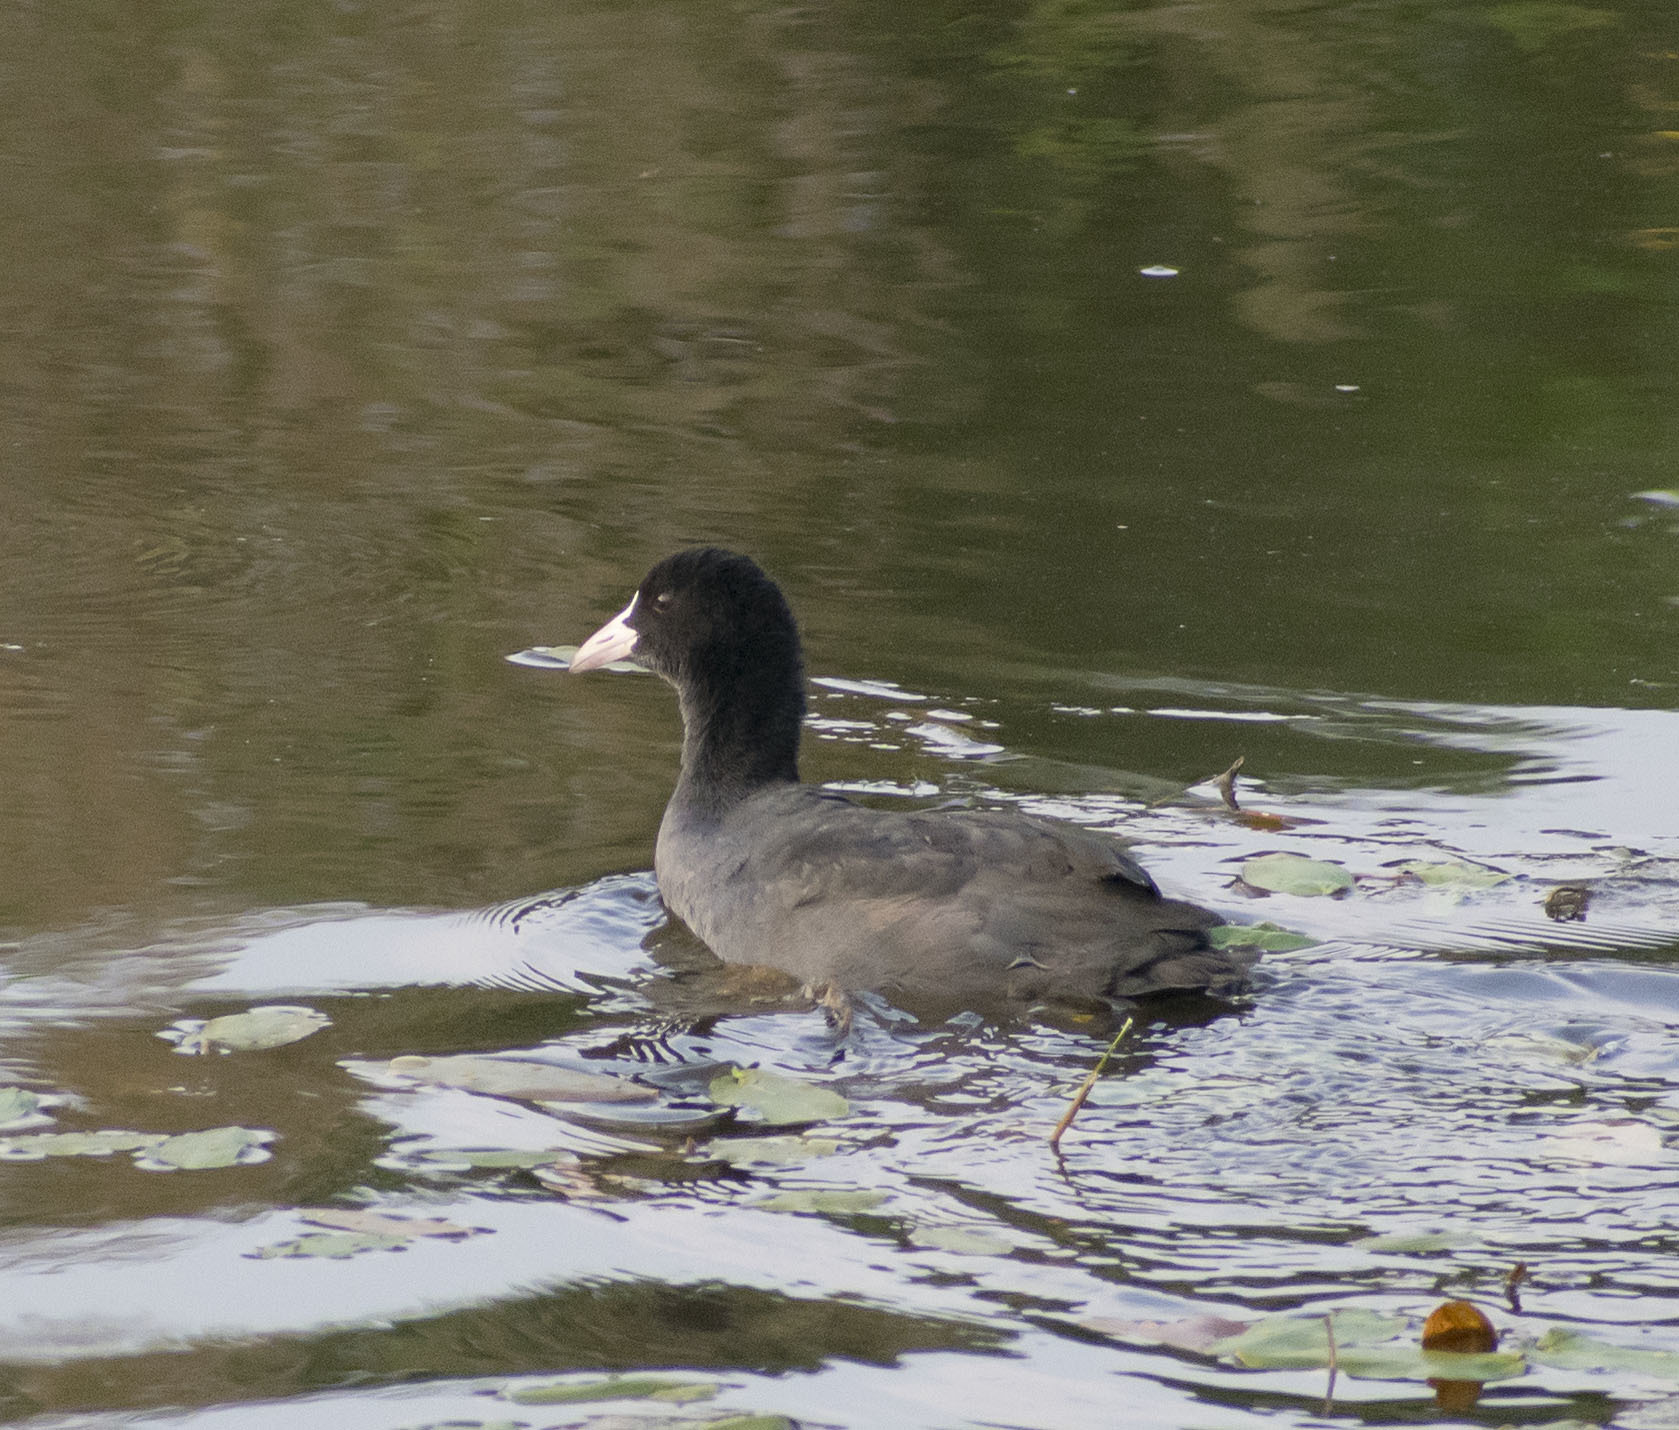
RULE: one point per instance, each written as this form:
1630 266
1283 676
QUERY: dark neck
739 738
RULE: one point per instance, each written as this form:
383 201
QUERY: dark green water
1116 391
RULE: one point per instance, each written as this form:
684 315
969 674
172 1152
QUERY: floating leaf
1454 873
20 1108
1295 874
627 1387
330 1245
203 1151
961 1240
836 1200
271 1026
1366 1346
251 1031
1568 1350
772 1151
1268 938
1296 1342
372 1223
514 1077
37 1145
781 1101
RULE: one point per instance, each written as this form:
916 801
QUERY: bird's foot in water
835 1002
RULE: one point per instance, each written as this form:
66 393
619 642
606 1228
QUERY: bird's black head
718 629
711 616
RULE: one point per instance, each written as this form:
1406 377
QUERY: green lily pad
627 1387
36 1145
1267 937
1454 873
1568 1350
330 1245
1296 874
1368 1345
255 1030
831 1200
19 1107
1284 1342
522 1078
204 1151
780 1101
772 1151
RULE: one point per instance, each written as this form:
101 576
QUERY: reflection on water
349 349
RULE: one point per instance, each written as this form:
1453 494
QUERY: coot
933 908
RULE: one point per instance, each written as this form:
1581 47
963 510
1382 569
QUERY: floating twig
1084 1089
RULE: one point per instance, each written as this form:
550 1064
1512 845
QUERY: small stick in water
1084 1089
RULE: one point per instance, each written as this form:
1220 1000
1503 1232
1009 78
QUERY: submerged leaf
203 1151
1295 874
1534 24
1197 1334
1413 1241
961 1240
255 1030
1624 1142
772 1151
781 1101
515 1077
836 1200
372 1223
330 1245
1454 873
627 1387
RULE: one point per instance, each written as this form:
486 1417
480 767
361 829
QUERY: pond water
1117 391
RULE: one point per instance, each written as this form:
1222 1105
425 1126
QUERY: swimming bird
934 909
